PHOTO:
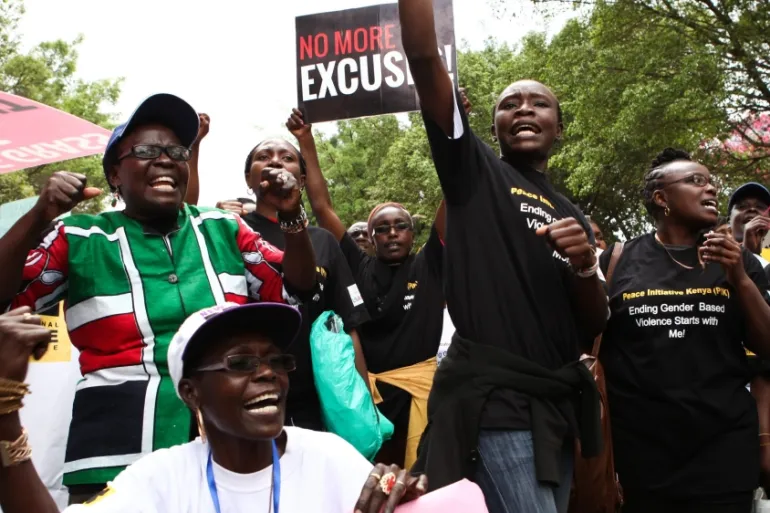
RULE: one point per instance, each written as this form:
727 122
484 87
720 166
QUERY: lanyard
276 487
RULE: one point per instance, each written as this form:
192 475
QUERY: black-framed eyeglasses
359 233
248 363
696 179
384 229
153 151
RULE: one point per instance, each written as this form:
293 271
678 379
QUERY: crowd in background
191 321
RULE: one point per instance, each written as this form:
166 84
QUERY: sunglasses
249 363
384 229
153 151
358 233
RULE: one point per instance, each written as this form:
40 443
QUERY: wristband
588 271
296 225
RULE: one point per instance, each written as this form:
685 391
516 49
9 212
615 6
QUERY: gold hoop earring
201 428
667 211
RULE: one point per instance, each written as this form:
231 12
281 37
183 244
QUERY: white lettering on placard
676 333
370 72
397 75
345 64
307 81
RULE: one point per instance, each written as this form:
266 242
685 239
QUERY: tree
47 74
737 32
628 87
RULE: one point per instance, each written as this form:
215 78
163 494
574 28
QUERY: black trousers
646 503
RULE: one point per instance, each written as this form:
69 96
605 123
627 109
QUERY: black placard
351 63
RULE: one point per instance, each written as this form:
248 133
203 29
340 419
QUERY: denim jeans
506 475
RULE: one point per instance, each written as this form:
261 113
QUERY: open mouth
711 205
525 128
393 246
163 183
265 404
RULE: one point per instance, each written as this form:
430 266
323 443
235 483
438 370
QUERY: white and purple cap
162 109
277 321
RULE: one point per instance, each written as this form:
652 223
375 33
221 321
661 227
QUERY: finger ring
375 475
387 482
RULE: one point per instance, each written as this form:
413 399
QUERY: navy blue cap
162 109
751 190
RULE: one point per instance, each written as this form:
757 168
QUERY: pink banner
460 497
33 134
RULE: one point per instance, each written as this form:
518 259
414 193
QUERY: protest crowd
237 358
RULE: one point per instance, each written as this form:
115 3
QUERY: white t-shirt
320 472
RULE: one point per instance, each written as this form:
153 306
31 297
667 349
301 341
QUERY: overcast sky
234 60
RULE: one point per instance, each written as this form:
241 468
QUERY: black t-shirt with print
505 286
406 306
683 423
338 292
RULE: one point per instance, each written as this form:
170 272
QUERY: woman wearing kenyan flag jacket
130 278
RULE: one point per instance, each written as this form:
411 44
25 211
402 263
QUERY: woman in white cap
229 366
131 277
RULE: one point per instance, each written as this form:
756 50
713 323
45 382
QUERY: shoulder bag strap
617 250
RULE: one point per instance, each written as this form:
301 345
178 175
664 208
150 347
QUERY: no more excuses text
352 74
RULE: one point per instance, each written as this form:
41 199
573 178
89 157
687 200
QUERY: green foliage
628 85
47 74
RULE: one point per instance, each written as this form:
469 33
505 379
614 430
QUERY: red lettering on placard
362 32
343 46
321 38
389 36
375 38
305 47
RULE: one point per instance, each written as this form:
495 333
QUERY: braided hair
653 179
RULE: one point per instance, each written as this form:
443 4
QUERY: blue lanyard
276 481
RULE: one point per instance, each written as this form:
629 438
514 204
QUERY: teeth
163 180
265 410
263 397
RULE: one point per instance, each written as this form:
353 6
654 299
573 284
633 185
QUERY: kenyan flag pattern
126 292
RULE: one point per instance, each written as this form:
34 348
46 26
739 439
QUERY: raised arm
315 183
21 490
60 194
751 290
283 190
418 35
193 184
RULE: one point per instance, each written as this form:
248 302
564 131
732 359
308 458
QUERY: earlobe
189 394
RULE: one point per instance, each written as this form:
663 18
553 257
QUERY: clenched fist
282 190
568 237
21 335
61 193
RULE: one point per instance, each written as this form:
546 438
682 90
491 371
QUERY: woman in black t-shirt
337 290
403 294
684 300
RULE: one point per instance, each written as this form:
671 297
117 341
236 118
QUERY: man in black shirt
749 220
749 224
338 290
521 288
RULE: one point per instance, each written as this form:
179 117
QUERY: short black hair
652 180
250 157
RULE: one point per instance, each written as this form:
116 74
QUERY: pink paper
33 134
461 497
